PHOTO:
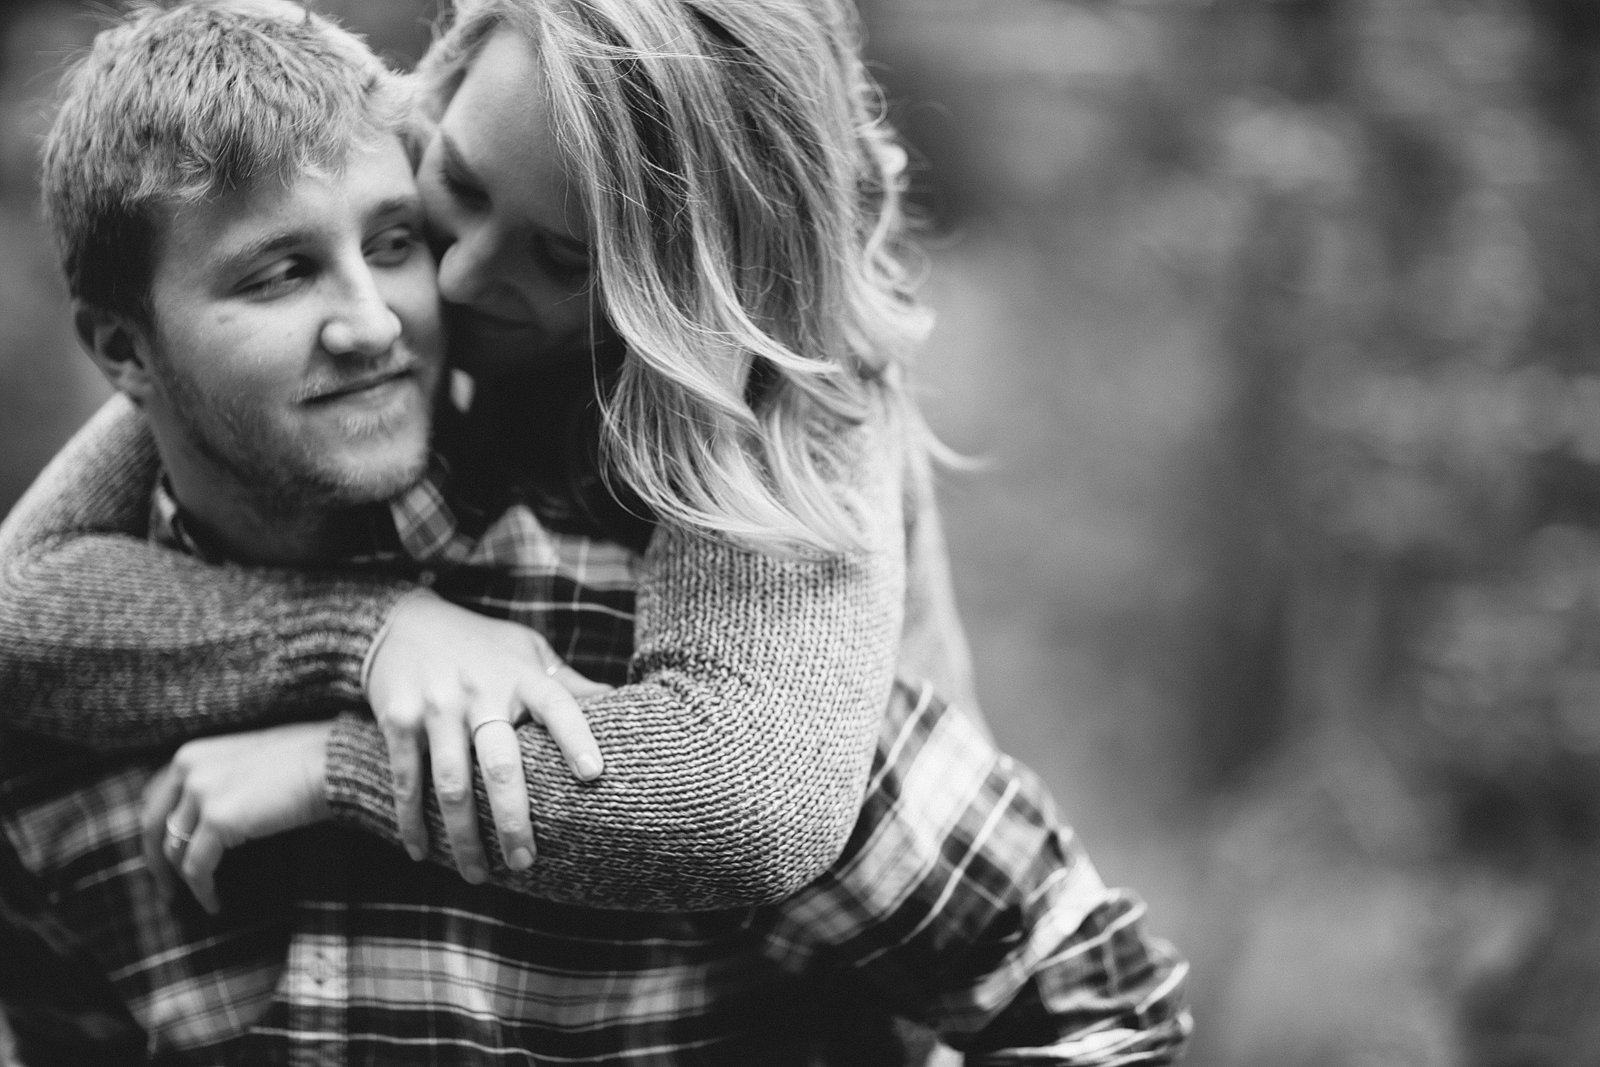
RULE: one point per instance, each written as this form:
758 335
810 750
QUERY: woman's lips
474 321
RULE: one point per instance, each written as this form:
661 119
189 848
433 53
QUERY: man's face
295 343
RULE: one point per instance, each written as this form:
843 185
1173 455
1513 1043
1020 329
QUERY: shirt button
321 969
427 578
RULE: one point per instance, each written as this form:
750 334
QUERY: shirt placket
316 982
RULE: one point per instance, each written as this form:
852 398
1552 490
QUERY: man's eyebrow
265 245
405 204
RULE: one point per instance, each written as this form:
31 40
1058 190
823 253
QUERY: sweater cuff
344 641
357 788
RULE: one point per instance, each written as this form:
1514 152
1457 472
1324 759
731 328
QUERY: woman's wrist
383 633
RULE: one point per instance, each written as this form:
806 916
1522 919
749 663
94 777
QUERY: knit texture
109 641
736 756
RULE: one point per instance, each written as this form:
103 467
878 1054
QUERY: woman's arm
734 764
110 641
737 758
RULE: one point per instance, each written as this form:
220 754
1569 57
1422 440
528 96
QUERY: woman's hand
444 679
219 792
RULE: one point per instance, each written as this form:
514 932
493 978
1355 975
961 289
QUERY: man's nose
363 324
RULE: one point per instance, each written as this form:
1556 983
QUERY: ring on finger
488 722
550 671
176 839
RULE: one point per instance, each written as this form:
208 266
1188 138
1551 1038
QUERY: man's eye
393 246
281 275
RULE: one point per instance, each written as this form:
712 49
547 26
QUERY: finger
405 766
179 825
553 707
160 798
199 866
494 741
577 684
452 783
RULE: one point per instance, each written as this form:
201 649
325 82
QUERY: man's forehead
371 177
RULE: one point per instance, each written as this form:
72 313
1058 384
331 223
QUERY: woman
668 236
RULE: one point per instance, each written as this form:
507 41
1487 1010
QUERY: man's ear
118 346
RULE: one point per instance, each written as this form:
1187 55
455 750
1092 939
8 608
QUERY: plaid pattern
489 553
58 1002
960 902
190 981
497 558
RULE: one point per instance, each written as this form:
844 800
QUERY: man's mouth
324 392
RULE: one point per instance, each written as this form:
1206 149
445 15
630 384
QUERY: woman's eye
561 259
393 246
280 275
464 193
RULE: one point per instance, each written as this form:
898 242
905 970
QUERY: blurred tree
1430 180
1387 521
46 386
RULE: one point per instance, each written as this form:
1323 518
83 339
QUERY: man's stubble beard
282 476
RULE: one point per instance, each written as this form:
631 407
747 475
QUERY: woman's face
514 268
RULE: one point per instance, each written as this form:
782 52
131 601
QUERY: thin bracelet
383 632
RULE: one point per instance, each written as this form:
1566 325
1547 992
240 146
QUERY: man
282 335
281 340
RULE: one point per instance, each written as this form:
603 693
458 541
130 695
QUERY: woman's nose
465 267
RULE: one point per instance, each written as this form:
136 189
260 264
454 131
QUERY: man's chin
372 480
340 470
372 455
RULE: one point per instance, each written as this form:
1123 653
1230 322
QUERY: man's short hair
175 104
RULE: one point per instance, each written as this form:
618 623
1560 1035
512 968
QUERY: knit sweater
736 756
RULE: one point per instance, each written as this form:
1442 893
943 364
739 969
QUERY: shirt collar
428 524
443 521
171 526
422 518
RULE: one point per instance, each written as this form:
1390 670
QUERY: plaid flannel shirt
961 901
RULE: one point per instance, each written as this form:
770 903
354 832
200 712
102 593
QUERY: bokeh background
1278 327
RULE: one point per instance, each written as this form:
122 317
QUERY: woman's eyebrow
461 171
455 162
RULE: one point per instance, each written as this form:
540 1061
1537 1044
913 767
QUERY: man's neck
248 530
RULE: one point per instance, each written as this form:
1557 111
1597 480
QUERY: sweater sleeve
110 641
736 759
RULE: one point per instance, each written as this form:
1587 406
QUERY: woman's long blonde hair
745 201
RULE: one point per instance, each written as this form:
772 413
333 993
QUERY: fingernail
415 852
588 766
475 875
521 859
